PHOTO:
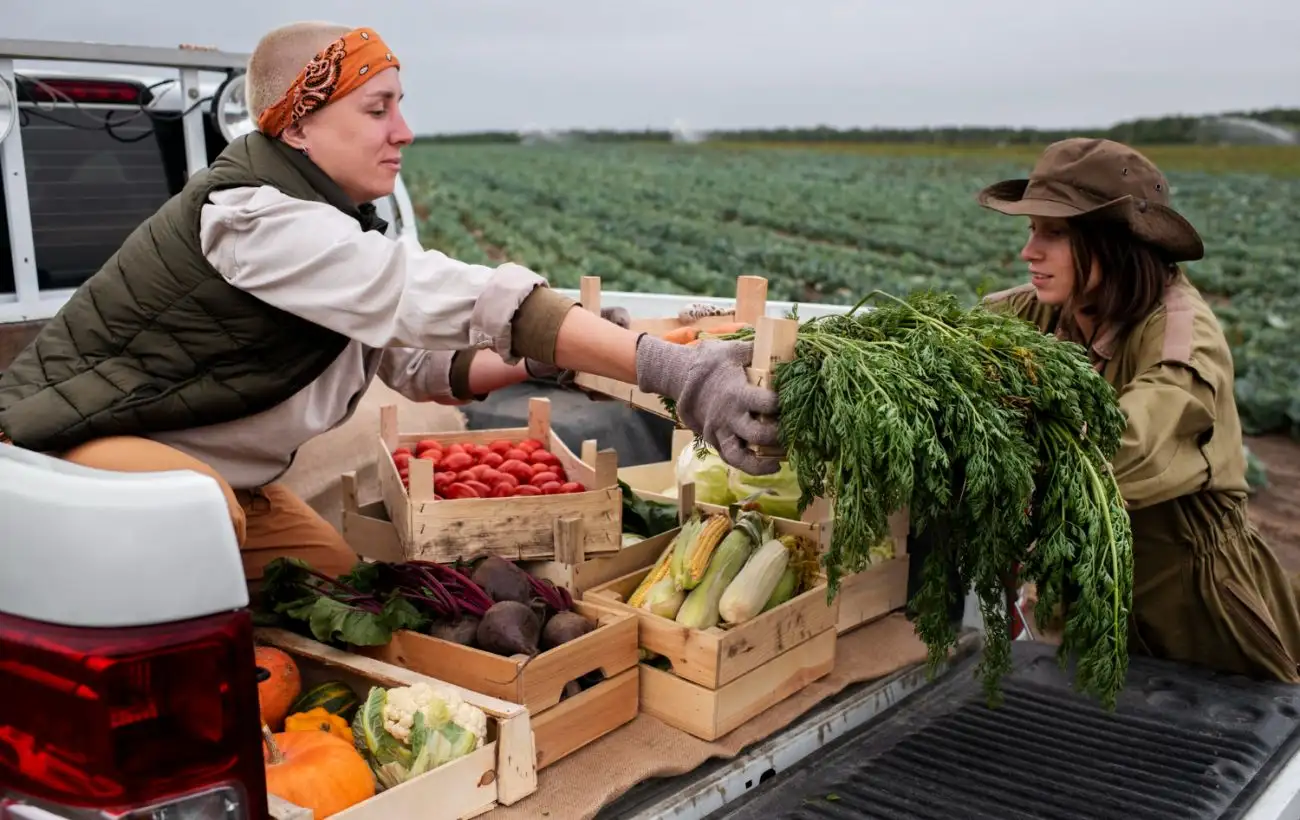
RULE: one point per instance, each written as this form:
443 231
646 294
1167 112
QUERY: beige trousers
270 522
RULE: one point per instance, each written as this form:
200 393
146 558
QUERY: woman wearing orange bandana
252 311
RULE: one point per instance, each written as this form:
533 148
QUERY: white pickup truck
127 682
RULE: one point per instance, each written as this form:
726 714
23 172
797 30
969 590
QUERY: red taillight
119 718
105 92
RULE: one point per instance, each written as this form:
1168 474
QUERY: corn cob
784 588
695 558
753 586
700 610
682 545
664 598
659 571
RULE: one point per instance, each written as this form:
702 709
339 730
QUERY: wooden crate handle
606 469
420 476
589 293
539 420
569 540
348 482
774 342
751 298
388 426
685 501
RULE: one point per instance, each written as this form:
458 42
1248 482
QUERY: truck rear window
93 175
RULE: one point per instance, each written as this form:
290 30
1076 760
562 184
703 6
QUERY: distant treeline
1171 130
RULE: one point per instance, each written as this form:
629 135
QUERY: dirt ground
1276 508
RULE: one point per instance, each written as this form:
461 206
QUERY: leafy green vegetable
645 518
979 422
337 611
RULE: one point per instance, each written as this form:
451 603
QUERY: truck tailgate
1182 744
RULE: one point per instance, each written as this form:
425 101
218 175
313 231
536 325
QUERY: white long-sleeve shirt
406 313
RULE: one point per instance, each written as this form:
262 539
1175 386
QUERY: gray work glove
714 397
551 373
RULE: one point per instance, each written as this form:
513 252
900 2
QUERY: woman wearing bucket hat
250 313
1103 252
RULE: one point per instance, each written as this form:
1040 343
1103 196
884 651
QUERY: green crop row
827 226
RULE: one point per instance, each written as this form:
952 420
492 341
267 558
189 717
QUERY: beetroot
460 630
564 627
510 628
502 580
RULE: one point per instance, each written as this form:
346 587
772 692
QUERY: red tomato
517 468
516 454
478 471
406 450
461 490
427 444
503 490
552 488
455 462
480 489
493 459
527 489
506 478
540 468
402 460
488 475
541 479
531 444
442 481
455 448
542 457
500 446
572 487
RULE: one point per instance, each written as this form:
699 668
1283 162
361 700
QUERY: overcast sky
493 64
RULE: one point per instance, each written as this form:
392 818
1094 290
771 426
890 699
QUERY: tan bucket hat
1099 179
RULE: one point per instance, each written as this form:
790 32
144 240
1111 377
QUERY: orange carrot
682 335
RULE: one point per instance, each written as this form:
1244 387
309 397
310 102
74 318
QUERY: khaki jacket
1174 376
1206 587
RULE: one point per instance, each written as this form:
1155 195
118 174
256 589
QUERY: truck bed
1182 744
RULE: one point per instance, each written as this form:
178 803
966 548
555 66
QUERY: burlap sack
577 787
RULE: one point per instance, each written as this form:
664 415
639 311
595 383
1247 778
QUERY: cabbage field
830 226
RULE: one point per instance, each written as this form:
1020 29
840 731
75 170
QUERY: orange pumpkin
317 771
276 694
319 720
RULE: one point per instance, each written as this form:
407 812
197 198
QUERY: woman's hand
714 397
708 382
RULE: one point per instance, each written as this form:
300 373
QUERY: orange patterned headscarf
339 69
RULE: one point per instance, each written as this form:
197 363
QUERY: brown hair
1133 274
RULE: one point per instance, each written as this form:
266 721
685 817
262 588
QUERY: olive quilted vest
157 340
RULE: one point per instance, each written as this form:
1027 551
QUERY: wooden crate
874 592
502 771
722 677
711 713
369 530
751 303
560 726
570 526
